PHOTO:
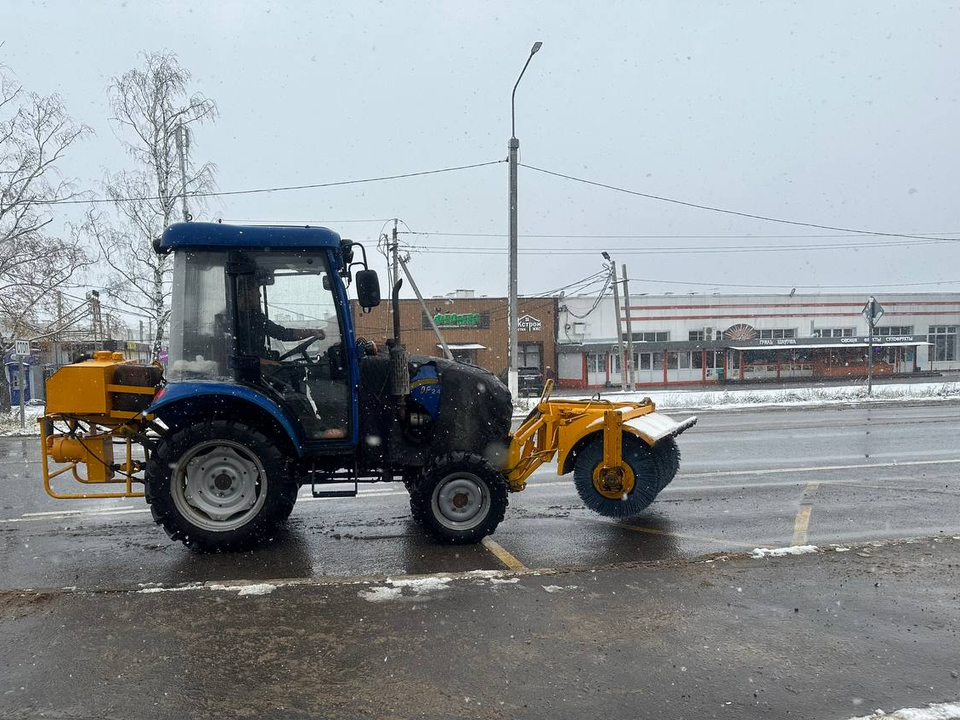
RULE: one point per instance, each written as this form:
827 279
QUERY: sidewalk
732 397
822 636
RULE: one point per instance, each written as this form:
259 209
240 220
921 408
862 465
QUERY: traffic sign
22 347
872 311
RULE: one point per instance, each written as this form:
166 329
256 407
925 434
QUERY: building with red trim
708 339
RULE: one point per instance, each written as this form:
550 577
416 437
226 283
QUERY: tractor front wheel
625 493
459 498
219 486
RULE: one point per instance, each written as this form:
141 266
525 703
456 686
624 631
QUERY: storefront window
672 360
683 360
528 355
894 330
644 361
596 362
777 333
658 361
944 339
659 336
696 359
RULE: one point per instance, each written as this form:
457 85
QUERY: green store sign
467 320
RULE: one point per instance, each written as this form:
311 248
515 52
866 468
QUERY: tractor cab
264 311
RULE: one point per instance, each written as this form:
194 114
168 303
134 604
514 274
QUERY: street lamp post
513 146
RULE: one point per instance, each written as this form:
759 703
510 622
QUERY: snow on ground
10 423
939 711
776 397
781 552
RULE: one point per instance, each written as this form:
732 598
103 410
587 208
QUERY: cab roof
213 236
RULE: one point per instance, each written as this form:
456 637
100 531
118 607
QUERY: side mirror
368 288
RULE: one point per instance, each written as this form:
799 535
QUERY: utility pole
626 307
97 319
513 146
872 311
616 307
183 145
23 389
395 249
58 338
141 331
870 326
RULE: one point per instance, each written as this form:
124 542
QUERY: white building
695 339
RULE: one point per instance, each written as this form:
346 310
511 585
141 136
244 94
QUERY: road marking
74 512
684 536
802 521
508 560
74 515
820 468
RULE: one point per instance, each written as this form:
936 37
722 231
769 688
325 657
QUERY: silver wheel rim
461 501
219 485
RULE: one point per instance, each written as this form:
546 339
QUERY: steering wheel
302 347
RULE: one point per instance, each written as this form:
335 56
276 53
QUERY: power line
725 211
804 287
282 188
667 236
696 250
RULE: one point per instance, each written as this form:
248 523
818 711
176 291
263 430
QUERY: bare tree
35 134
153 113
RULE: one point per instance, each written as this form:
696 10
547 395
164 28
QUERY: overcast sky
836 113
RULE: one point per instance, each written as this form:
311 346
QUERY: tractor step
333 493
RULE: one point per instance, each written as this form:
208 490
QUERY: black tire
444 483
667 453
167 492
648 471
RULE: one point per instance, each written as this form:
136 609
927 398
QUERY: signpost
22 350
872 311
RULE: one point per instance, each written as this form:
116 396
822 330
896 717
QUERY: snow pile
420 586
380 594
242 590
781 552
177 588
767 397
259 589
939 711
393 590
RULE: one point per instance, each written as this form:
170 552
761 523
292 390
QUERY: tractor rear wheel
459 498
623 494
219 486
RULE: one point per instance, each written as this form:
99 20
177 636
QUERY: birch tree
35 134
153 112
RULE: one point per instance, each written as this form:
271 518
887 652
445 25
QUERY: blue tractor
267 389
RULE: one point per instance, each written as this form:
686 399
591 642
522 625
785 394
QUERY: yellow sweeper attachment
622 453
90 405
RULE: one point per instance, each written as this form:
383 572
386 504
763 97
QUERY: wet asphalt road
664 615
746 480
